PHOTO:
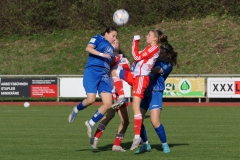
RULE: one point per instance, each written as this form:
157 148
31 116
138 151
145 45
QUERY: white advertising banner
73 87
223 88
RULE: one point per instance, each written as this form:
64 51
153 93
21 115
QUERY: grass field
43 132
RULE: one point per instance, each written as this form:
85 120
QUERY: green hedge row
26 17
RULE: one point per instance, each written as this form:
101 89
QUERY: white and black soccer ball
121 17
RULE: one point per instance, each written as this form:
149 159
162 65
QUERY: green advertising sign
184 87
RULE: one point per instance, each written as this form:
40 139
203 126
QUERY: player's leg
124 118
146 147
126 76
139 86
90 82
91 97
137 122
105 91
107 102
118 83
155 115
144 107
101 127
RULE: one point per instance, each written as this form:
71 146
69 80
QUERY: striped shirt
144 60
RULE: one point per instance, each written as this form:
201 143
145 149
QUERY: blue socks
143 133
80 106
161 133
97 116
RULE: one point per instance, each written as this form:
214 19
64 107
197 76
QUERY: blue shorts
96 79
152 100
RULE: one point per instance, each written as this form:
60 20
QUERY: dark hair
122 52
108 30
171 54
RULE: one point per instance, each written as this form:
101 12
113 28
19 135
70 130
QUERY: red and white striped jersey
144 60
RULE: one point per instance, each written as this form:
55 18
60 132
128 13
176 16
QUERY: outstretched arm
135 52
147 53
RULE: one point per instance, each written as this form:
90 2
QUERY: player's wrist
101 54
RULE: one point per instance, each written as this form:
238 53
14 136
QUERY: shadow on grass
171 145
147 116
127 146
83 150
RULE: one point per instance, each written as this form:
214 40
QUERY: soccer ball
121 17
26 104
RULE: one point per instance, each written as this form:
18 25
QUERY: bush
38 16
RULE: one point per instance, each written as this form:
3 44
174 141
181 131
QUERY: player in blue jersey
96 76
153 96
122 111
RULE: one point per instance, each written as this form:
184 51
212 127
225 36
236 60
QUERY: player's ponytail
173 57
163 39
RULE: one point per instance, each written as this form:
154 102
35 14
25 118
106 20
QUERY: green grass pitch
43 133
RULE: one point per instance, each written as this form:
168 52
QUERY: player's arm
166 69
147 53
135 52
91 49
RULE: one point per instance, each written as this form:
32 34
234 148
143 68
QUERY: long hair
171 54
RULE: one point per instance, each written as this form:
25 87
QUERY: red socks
99 131
118 85
118 139
137 122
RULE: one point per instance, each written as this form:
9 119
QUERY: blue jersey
103 46
157 81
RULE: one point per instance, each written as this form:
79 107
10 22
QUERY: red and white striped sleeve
147 53
135 52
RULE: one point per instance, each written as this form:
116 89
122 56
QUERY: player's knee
155 123
114 73
107 105
90 100
125 122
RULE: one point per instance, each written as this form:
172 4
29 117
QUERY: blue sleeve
95 40
167 68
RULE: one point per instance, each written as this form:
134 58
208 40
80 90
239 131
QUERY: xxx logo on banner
222 87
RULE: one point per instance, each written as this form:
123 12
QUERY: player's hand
105 55
155 70
136 37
